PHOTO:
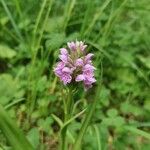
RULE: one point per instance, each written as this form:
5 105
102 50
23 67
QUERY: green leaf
54 24
55 40
115 121
45 124
147 104
34 137
74 117
58 120
112 112
6 52
127 108
13 134
7 89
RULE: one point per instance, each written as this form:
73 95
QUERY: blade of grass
13 134
11 19
98 137
100 49
50 3
111 21
89 8
17 3
38 20
135 67
13 36
137 131
141 124
68 10
14 103
31 100
97 16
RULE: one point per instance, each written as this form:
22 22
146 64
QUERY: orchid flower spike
75 65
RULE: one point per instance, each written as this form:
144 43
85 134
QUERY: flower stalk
74 66
87 119
68 105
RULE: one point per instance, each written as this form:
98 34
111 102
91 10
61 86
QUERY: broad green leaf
45 124
147 104
54 24
115 121
55 40
112 112
6 52
9 89
104 96
34 137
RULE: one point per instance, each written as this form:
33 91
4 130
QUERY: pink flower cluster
74 65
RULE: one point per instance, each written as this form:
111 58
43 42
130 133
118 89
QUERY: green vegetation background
117 32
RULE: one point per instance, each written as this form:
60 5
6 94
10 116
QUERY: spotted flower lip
75 66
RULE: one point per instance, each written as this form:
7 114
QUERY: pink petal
79 62
89 67
67 70
58 72
88 56
66 78
60 65
80 78
72 46
91 80
63 51
63 58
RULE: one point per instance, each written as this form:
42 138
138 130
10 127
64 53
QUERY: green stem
67 115
63 139
77 145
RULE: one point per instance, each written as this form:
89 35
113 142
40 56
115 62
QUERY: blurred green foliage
116 31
